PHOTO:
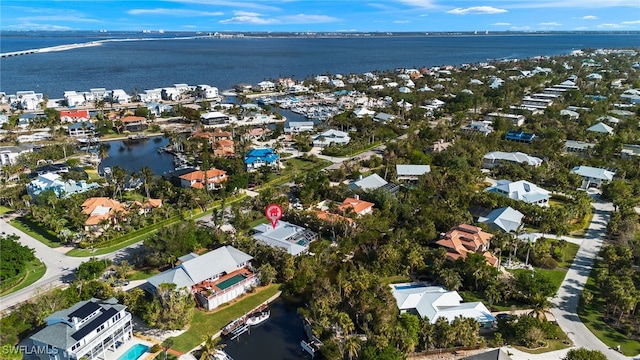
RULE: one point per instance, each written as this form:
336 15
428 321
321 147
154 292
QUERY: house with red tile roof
213 179
464 239
357 206
134 123
75 115
332 218
223 148
148 205
99 209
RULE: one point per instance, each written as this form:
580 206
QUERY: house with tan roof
213 179
464 239
99 209
357 206
332 218
147 206
223 148
134 123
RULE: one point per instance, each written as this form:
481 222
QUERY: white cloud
576 4
635 22
581 28
610 26
253 20
589 17
58 18
553 23
246 13
520 28
235 4
401 21
35 26
476 10
173 12
501 24
425 4
308 19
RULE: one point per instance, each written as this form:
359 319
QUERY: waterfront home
158 109
577 146
213 278
81 129
211 179
338 83
55 183
151 95
259 157
495 158
134 123
73 116
291 238
434 302
411 173
356 206
26 100
481 127
601 128
463 239
297 127
593 177
264 86
101 210
521 190
9 154
322 79
120 96
99 93
214 118
506 219
519 136
170 94
331 136
256 133
73 99
207 92
515 119
89 330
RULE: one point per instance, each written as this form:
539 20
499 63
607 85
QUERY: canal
133 155
276 339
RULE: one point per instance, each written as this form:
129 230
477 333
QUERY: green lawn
258 221
569 253
580 229
591 316
32 229
395 279
110 249
142 274
556 276
206 323
553 345
5 210
33 272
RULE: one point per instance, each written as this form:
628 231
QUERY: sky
322 16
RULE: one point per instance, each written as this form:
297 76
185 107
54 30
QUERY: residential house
363 111
356 206
434 302
99 93
384 117
74 99
520 136
577 146
629 151
54 182
213 278
158 109
464 239
495 158
223 148
266 86
411 173
608 118
147 206
297 127
101 209
207 92
134 123
601 128
506 219
151 96
368 183
81 129
572 115
593 177
170 94
259 157
73 116
439 146
482 127
27 100
515 119
89 330
331 136
214 118
256 133
521 190
9 154
198 179
120 96
337 83
291 238
25 120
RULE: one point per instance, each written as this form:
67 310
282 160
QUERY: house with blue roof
259 157
519 136
62 189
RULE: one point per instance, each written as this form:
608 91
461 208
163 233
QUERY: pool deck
213 285
113 355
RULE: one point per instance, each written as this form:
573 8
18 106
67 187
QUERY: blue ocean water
224 62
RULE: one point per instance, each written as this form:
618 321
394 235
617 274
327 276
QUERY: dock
239 331
239 326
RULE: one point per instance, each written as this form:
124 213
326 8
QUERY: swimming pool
409 286
134 352
230 281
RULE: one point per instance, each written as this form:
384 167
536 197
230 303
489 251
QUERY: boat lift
239 331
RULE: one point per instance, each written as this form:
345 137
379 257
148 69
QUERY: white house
411 172
266 86
495 158
506 219
9 154
87 330
482 127
522 190
74 99
434 302
213 278
170 94
291 238
208 92
296 127
601 128
322 79
593 177
336 83
331 136
363 111
515 119
120 96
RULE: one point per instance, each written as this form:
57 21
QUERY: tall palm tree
147 175
352 346
210 347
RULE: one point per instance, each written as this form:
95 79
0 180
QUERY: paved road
565 304
60 267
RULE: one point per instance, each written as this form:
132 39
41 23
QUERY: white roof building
522 190
601 128
494 158
291 238
331 136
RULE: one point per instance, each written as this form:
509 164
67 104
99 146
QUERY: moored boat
258 318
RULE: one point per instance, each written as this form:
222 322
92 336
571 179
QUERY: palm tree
352 346
146 174
210 347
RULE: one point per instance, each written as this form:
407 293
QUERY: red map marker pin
273 213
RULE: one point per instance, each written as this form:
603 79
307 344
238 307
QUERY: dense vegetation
14 258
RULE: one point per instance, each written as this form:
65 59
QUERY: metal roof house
61 188
522 190
434 302
577 146
259 157
519 136
88 330
372 182
593 177
291 238
495 158
331 136
411 172
601 128
506 219
214 278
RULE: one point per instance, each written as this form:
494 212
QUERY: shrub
155 348
549 263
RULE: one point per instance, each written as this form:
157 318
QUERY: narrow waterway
133 155
276 339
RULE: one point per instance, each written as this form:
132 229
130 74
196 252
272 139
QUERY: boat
258 318
221 355
137 137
